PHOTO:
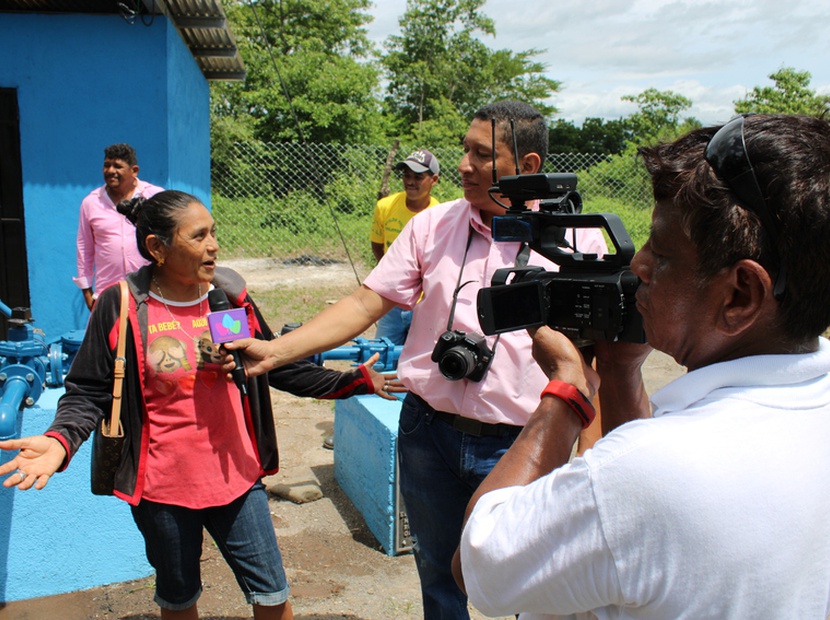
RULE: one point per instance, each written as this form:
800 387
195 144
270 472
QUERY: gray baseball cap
420 161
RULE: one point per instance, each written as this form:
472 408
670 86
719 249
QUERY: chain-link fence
314 202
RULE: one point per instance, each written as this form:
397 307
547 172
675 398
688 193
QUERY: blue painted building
75 77
82 81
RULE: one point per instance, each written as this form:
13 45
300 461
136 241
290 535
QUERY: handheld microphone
226 324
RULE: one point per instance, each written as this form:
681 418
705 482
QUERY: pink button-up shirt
107 250
426 257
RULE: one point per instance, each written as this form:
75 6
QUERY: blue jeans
244 533
440 469
394 325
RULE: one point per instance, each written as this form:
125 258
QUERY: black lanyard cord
521 261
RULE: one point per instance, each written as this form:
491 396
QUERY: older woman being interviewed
195 449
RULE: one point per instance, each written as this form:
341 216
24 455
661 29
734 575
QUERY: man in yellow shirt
420 174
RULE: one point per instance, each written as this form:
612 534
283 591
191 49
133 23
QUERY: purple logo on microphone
227 325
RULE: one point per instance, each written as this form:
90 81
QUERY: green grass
296 305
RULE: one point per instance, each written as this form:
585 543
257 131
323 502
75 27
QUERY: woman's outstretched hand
39 457
385 384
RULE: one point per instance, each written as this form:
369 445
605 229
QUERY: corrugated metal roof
201 24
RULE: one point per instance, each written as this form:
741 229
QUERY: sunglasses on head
727 154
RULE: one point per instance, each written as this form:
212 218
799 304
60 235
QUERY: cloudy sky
711 51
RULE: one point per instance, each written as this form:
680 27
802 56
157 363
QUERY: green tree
658 118
309 74
596 136
444 126
439 71
564 137
790 94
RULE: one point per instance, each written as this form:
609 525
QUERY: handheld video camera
590 297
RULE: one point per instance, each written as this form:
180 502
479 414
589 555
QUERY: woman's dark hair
158 215
790 155
530 127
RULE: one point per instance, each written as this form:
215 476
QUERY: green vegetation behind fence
315 201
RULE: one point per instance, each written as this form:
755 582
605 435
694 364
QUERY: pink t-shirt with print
200 452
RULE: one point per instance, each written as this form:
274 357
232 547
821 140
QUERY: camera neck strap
521 261
458 285
523 255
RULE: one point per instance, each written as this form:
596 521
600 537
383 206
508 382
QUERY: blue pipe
25 360
14 393
362 350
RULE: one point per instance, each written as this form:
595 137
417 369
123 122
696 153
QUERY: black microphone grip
218 301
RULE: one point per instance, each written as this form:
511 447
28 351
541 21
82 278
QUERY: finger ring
21 474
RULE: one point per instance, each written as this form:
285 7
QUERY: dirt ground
336 568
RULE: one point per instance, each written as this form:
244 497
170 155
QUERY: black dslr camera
461 355
589 298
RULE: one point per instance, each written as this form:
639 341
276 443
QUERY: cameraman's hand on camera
384 384
560 359
621 356
623 394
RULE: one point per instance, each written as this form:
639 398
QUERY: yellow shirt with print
391 215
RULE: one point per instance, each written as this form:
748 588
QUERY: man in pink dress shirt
451 432
107 249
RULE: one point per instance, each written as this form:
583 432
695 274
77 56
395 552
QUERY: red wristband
572 397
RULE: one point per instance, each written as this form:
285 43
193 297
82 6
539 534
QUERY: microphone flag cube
227 325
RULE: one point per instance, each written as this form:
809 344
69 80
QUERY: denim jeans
244 533
440 469
394 325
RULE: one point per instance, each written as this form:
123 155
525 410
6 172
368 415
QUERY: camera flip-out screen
508 307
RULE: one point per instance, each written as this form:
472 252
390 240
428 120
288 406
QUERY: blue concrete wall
84 82
188 122
365 460
63 538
